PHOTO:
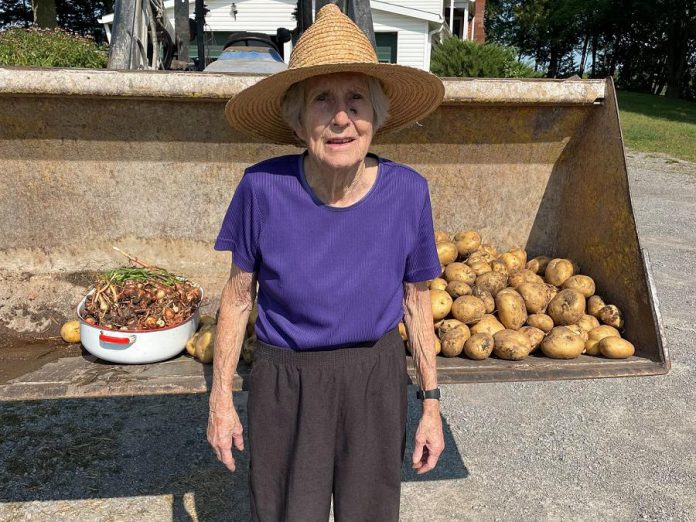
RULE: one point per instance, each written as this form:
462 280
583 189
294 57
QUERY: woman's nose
341 116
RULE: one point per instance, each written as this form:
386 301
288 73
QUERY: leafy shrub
49 48
455 57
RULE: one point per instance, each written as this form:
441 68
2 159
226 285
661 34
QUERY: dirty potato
538 264
541 321
576 329
491 282
441 236
446 252
488 324
534 335
594 305
437 284
511 345
536 297
562 343
582 283
558 271
499 266
521 256
457 289
467 241
519 277
567 307
460 272
453 334
486 297
468 309
479 346
441 304
611 315
616 348
512 311
402 331
512 261
588 322
480 267
597 334
205 345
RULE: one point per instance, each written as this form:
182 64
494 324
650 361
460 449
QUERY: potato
597 334
468 309
611 316
191 345
538 264
512 261
518 277
512 311
484 255
402 331
558 270
459 272
486 297
534 335
491 282
567 307
441 303
511 345
70 332
453 335
594 305
489 249
205 345
582 283
536 297
479 346
480 267
562 343
616 348
588 322
446 252
521 256
499 266
541 321
467 241
488 324
576 329
457 289
441 236
249 349
437 284
552 290
438 346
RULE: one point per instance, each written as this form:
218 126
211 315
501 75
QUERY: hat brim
413 94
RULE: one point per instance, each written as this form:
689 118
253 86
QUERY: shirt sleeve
240 228
422 263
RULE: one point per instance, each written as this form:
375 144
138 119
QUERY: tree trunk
44 13
594 55
677 51
584 55
553 63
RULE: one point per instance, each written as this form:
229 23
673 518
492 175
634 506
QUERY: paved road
614 449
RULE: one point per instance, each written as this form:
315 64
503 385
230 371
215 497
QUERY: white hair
293 104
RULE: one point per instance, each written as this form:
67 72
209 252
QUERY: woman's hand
225 429
430 441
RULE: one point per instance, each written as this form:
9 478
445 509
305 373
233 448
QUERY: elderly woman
341 244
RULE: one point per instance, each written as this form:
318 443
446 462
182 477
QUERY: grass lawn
657 124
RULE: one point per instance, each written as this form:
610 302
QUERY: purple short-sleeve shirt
329 277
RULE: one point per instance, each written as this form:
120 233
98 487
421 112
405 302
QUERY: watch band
428 394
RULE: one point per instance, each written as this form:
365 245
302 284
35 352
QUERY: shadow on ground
72 449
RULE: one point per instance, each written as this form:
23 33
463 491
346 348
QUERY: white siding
412 35
431 6
252 15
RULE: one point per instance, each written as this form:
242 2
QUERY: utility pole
181 28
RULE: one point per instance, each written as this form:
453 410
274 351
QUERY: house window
386 47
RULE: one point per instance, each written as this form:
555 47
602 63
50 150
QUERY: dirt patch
19 357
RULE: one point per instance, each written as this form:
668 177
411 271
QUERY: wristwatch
428 394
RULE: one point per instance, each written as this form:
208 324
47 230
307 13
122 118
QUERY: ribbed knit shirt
329 277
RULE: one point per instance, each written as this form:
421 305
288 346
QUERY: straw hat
333 43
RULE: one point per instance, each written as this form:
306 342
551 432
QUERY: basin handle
117 340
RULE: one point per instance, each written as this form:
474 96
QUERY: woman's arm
236 303
418 318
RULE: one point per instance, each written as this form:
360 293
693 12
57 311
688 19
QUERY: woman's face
337 120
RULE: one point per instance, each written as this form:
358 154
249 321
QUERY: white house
404 32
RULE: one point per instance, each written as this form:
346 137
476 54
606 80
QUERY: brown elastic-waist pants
327 423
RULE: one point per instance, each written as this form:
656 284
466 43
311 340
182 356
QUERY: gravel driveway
612 449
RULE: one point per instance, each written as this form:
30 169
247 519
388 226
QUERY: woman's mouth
340 141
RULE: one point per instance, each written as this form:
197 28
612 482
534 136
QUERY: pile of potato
486 302
201 345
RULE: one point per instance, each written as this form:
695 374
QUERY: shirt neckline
320 203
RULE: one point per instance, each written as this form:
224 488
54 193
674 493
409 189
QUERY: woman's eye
357 96
321 97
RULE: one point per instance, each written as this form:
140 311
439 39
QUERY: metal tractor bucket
146 161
